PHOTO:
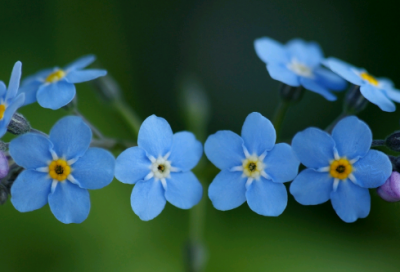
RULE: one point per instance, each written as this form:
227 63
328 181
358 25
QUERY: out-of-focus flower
341 168
160 169
254 168
298 63
54 88
59 170
390 190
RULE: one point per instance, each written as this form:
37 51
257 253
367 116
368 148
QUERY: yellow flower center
55 76
253 166
59 169
2 110
369 78
340 169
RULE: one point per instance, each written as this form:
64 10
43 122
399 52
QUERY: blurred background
150 47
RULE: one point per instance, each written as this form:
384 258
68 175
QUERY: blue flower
59 169
10 100
341 168
379 91
160 169
254 168
54 88
298 63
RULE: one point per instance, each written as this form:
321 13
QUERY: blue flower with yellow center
59 169
341 167
54 88
160 169
298 63
253 167
379 91
10 100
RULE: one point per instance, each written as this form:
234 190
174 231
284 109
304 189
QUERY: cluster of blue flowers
59 168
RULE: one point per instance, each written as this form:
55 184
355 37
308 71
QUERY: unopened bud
390 190
289 93
4 168
18 124
354 101
393 141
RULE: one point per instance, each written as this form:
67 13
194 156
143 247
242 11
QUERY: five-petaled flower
254 168
298 63
160 169
341 168
54 88
59 169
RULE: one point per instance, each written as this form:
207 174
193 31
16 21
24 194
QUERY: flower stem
95 130
129 115
376 143
333 124
279 116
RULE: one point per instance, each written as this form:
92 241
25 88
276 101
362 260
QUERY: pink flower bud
390 190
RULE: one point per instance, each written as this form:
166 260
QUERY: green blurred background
148 47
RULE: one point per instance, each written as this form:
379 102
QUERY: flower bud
4 168
354 101
18 124
390 190
393 141
290 93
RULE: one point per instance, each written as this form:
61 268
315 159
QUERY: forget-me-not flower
341 168
54 88
10 100
298 63
379 91
254 168
59 169
160 169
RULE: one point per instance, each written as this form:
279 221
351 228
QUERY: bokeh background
149 47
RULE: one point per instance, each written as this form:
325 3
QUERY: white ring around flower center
300 69
161 168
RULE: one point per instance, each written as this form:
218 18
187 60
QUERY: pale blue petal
283 74
31 150
269 50
377 97
186 151
393 94
311 85
329 79
281 163
80 63
228 190
353 137
71 137
9 112
308 53
84 75
148 199
3 89
313 147
183 190
95 169
55 95
266 197
258 134
345 70
13 85
385 83
155 136
69 203
30 91
372 170
224 149
350 201
38 77
30 190
311 187
132 165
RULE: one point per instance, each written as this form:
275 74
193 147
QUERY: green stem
95 130
129 115
279 116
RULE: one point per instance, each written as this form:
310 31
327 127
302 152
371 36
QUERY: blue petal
69 203
313 147
385 83
9 112
183 190
224 149
228 190
148 199
258 134
3 89
269 50
353 137
186 151
377 97
71 137
351 201
155 136
80 63
393 94
31 150
84 75
37 77
30 190
329 80
308 53
132 165
344 70
30 91
266 197
281 163
95 169
55 95
311 187
372 170
283 74
311 85
14 81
